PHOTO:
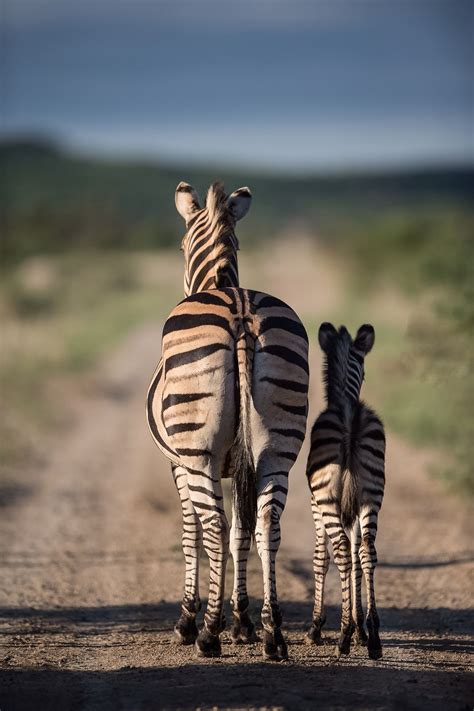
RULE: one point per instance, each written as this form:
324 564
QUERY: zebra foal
346 475
228 399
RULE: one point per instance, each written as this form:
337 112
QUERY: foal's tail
350 504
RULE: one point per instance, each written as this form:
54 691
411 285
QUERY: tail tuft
244 484
349 499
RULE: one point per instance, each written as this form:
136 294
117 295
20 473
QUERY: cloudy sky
285 84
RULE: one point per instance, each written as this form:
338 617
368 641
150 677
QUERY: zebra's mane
222 220
216 200
335 365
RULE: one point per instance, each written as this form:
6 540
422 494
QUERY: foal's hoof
313 636
342 649
185 631
274 646
360 636
243 630
375 652
208 645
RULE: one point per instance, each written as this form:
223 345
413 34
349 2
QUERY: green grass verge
59 315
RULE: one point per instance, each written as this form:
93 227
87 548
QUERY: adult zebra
346 475
228 399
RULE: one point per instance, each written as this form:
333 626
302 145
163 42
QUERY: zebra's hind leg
205 491
357 611
185 629
320 566
342 557
243 629
368 556
270 503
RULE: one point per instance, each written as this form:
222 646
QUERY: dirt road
91 577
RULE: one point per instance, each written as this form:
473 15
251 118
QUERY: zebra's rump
347 459
368 456
196 394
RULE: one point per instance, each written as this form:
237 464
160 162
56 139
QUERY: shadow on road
313 679
210 685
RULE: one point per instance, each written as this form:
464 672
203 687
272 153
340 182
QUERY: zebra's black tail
245 479
349 498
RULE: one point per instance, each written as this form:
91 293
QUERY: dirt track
92 574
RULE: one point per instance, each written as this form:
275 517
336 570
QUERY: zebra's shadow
161 617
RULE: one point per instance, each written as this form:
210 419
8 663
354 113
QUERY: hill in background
56 201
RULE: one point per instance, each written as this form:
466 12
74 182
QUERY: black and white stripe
228 399
346 474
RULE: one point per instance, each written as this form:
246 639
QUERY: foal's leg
357 611
342 557
272 492
243 629
368 557
320 567
205 491
186 630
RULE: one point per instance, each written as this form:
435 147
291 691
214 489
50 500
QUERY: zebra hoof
274 646
208 645
374 647
360 637
344 645
185 631
243 630
313 636
375 653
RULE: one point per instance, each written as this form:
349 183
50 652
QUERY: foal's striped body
229 399
346 476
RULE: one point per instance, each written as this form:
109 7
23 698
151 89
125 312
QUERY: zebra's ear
326 334
187 201
365 338
239 203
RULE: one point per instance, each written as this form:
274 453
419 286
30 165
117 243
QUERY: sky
282 84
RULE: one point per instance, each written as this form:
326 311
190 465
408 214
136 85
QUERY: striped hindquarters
324 467
368 456
281 377
194 402
347 467
199 377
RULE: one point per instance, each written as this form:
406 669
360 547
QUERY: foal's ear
365 338
187 201
239 203
326 334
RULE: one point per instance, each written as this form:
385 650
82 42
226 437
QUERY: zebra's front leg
357 611
270 504
243 629
205 491
320 567
368 557
186 630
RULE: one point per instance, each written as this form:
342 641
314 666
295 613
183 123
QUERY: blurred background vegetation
90 249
